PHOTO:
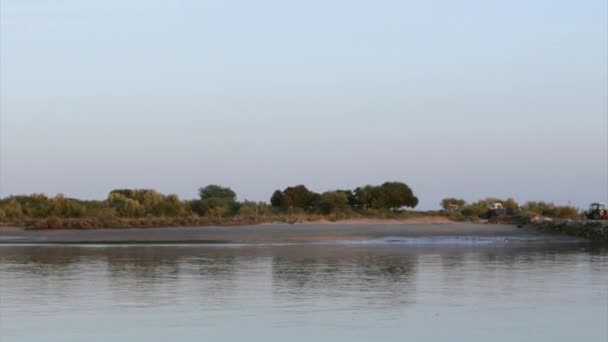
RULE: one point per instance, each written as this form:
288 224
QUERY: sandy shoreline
277 233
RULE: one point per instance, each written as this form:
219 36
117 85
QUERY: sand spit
281 233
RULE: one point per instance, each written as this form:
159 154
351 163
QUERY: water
325 292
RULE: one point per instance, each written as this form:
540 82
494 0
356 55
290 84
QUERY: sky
468 99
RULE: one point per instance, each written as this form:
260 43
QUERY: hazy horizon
469 99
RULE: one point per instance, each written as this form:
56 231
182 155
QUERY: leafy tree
367 196
277 199
218 192
299 197
396 195
388 196
352 198
216 201
333 202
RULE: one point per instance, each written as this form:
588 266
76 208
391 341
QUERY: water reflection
376 291
390 271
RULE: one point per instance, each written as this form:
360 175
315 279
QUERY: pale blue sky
456 98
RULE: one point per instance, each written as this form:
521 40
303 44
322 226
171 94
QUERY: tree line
531 208
214 201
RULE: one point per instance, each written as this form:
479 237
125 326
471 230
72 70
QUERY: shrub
125 206
13 209
551 210
152 202
172 206
65 207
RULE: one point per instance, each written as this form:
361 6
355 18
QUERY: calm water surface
333 292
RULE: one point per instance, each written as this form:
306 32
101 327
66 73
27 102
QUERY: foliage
395 195
388 196
298 197
39 205
125 206
551 210
65 207
140 202
277 199
333 202
12 209
217 192
216 202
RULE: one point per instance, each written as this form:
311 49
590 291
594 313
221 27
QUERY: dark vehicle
497 210
597 211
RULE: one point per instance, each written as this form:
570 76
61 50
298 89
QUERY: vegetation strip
218 205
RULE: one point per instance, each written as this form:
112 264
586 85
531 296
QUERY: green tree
277 200
333 202
299 197
396 195
216 201
352 199
218 192
367 196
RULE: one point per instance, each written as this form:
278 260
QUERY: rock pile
593 230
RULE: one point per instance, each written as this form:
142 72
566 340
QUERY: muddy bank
283 233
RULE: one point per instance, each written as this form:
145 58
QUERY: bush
549 209
13 209
64 207
125 206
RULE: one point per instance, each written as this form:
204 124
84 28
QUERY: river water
315 292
